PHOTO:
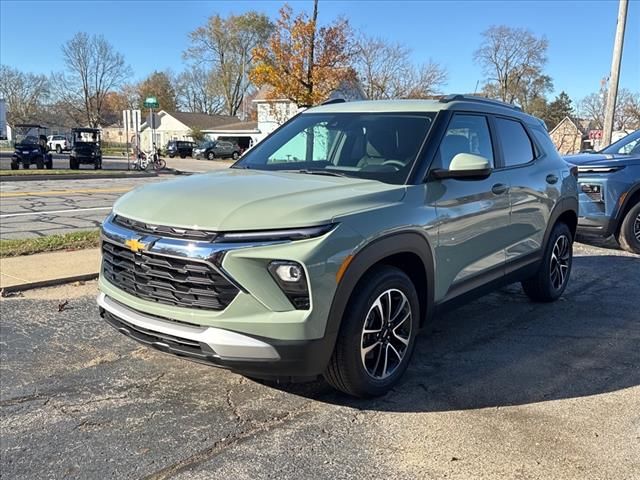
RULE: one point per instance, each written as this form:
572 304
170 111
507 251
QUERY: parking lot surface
501 388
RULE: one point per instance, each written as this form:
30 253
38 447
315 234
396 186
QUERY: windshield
628 145
207 144
27 136
86 137
381 146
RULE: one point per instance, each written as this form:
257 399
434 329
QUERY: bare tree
386 71
627 114
513 60
224 48
199 91
92 70
25 94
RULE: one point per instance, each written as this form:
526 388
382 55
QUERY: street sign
151 102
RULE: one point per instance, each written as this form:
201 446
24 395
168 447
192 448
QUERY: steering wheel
395 163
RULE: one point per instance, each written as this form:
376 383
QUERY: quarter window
516 145
466 134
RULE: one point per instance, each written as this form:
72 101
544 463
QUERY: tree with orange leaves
302 62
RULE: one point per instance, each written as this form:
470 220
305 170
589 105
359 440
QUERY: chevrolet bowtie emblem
135 245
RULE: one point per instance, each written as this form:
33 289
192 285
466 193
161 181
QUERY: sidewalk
43 269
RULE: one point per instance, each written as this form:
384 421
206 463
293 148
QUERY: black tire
73 163
629 235
552 277
347 370
14 166
26 165
171 155
49 164
58 149
40 163
236 155
210 156
161 164
183 156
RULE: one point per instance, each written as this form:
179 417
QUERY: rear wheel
183 156
629 236
49 163
161 164
58 149
377 334
73 163
26 165
553 274
40 163
14 165
235 155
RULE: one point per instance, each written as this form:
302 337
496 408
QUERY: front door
472 214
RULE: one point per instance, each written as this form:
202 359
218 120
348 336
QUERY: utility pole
615 73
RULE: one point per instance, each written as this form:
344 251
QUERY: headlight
35 150
93 154
592 190
291 278
275 235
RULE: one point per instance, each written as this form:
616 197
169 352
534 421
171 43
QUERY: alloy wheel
636 228
560 262
386 334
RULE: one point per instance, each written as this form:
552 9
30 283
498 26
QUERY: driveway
501 388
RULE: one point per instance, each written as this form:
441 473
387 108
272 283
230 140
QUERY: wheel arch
408 251
631 199
566 211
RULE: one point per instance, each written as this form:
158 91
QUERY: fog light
289 273
291 278
592 190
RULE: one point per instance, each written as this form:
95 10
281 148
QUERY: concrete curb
50 283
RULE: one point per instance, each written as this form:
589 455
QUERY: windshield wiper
320 171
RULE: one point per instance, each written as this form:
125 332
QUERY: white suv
59 143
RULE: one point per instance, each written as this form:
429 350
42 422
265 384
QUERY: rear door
472 214
534 180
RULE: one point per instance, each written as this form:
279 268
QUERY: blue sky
153 34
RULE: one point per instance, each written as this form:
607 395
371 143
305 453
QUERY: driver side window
465 134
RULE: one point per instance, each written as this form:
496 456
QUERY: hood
602 159
240 199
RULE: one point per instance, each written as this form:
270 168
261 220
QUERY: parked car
59 143
217 149
30 147
180 148
609 187
325 253
86 149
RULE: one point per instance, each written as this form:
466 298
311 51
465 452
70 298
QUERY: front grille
167 280
164 231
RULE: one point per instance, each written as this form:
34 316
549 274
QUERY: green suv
332 242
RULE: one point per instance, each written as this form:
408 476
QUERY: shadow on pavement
503 350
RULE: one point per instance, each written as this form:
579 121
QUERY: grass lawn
50 243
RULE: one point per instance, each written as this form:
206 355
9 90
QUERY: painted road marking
9 215
63 192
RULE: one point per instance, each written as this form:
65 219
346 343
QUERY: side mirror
465 165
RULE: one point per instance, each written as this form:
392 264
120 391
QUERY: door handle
551 178
499 188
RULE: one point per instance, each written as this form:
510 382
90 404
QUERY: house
180 126
571 135
273 111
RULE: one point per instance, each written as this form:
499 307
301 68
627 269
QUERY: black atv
31 147
85 148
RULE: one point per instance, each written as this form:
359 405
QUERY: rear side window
516 144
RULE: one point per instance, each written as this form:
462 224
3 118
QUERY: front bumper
246 354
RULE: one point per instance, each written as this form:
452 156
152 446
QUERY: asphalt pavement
501 388
37 208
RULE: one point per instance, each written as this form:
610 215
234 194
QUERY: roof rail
333 100
475 98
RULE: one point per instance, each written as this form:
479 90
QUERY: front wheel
210 156
235 155
629 236
553 274
377 334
